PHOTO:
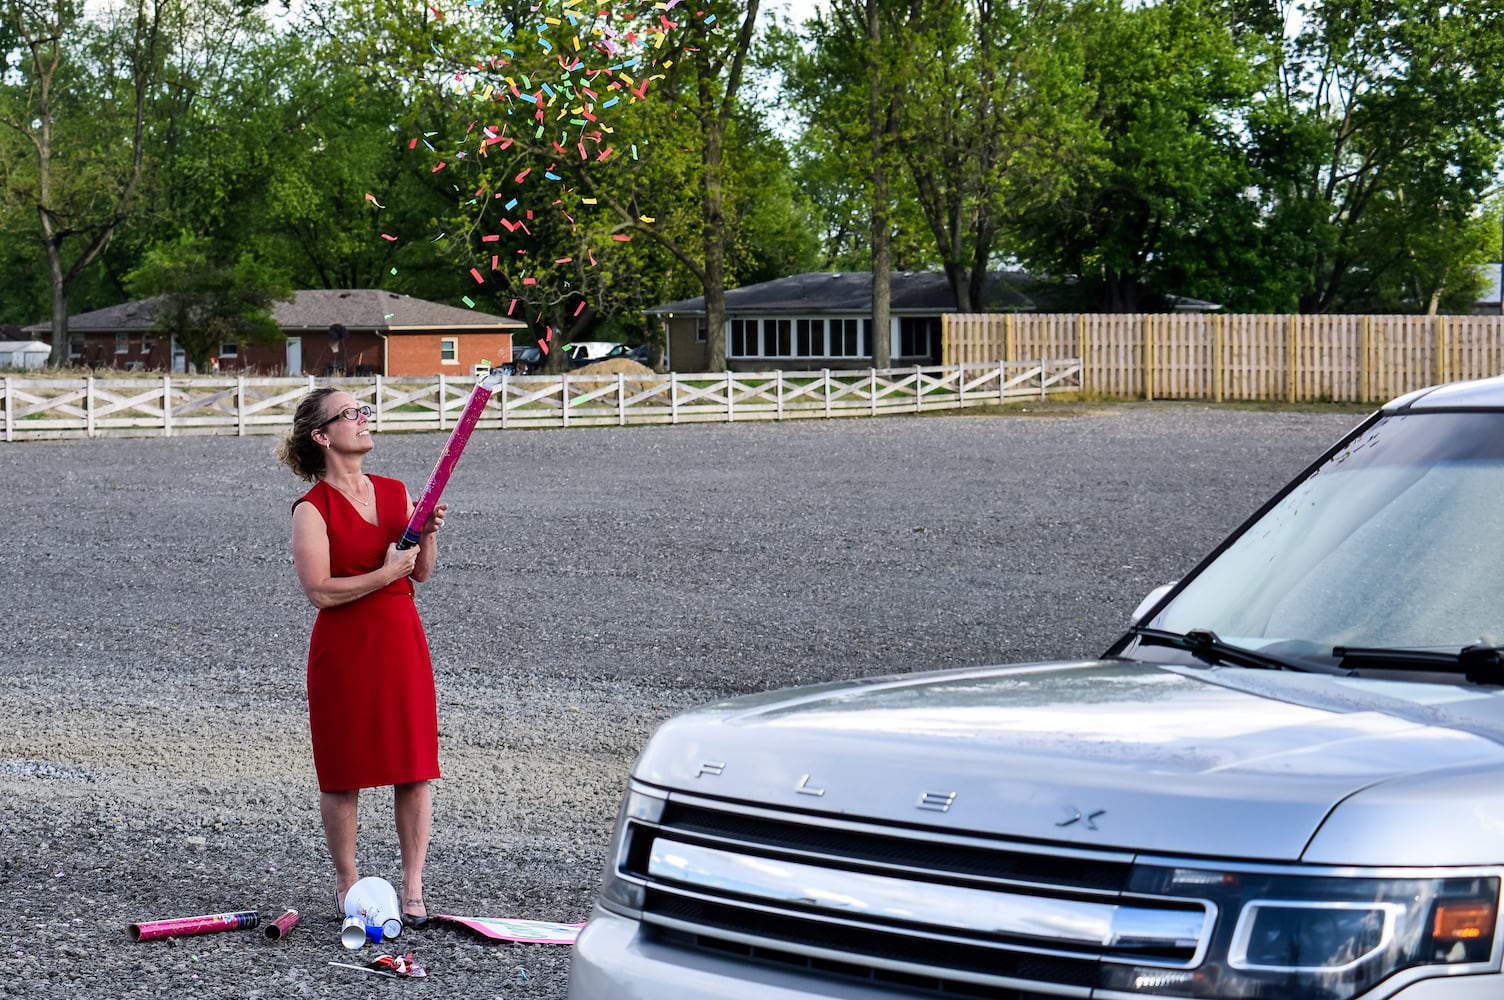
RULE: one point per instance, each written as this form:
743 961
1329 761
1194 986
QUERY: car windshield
1395 542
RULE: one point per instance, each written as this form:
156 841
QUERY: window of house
449 350
229 350
76 346
918 336
702 329
809 338
122 343
778 338
745 341
846 338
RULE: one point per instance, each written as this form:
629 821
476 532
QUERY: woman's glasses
350 413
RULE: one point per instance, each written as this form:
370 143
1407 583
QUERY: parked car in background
1286 780
526 359
585 352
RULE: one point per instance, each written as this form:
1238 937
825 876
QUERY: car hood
1111 754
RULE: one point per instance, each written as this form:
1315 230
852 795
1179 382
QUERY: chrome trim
916 834
936 801
1237 951
875 961
980 911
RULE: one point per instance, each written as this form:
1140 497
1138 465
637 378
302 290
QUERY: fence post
961 385
1291 363
1148 357
1043 392
1365 360
826 378
730 398
1217 359
443 401
919 385
564 396
380 409
505 392
1002 382
166 404
778 391
1441 349
872 385
621 399
240 406
89 405
1081 346
673 397
10 410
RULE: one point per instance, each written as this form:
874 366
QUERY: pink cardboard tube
458 438
279 928
209 923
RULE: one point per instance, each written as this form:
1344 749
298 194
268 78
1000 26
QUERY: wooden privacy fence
1217 357
92 407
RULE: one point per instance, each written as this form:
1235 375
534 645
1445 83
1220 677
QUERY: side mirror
1147 604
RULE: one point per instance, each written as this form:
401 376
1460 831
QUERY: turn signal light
1463 921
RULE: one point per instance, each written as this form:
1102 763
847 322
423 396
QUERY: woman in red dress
371 704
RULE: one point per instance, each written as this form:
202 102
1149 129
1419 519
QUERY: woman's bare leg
414 808
341 812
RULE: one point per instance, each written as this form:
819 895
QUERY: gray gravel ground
154 754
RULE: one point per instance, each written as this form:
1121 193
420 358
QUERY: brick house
364 331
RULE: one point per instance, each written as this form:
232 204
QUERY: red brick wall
420 353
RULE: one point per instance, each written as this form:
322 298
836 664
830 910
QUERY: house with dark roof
1491 301
822 320
364 331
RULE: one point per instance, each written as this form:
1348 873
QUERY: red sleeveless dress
371 704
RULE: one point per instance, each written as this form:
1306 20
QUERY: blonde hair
298 451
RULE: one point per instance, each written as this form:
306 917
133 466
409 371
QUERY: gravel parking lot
153 736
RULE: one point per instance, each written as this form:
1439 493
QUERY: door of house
294 355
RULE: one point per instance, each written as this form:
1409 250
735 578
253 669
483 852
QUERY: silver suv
1285 781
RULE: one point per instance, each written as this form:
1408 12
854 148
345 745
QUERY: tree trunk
882 251
715 250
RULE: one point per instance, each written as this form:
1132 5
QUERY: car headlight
1326 937
641 804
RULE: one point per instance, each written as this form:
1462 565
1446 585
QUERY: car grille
901 908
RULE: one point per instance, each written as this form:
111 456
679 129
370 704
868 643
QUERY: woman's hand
400 562
436 519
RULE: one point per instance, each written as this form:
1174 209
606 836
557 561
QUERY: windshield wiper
1204 644
1481 664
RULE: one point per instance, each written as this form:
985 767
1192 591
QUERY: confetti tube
279 928
209 923
458 438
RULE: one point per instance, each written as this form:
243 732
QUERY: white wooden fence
166 406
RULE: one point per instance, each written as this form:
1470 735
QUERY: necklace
352 496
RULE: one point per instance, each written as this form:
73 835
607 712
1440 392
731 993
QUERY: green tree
74 95
207 302
981 101
1384 118
1161 205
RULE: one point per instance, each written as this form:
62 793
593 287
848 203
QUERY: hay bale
592 378
613 366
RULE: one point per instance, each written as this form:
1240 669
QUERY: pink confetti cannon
279 928
209 923
450 457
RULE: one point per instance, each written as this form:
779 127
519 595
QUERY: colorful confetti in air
549 104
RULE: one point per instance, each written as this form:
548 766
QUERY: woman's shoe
414 920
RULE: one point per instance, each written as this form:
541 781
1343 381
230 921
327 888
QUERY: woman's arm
428 542
310 557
